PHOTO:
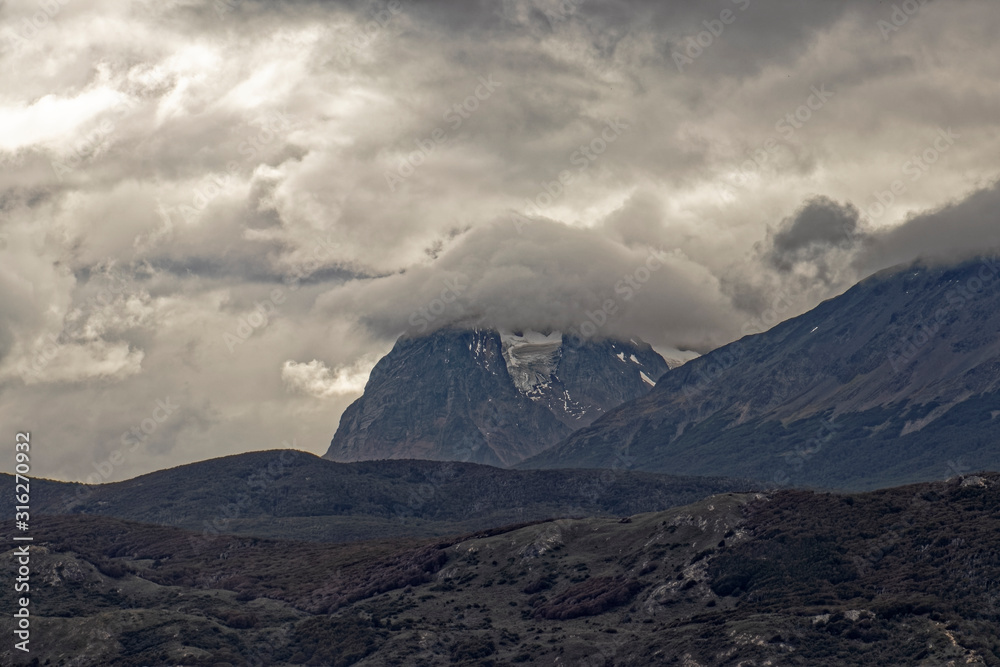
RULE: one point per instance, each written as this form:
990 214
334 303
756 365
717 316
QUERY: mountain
905 576
489 397
296 495
895 381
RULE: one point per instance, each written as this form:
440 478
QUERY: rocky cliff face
897 380
489 397
579 381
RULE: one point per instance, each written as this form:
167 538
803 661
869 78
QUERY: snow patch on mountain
532 359
676 358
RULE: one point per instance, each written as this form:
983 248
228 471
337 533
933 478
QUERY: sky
217 215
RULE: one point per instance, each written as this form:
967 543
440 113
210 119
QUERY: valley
909 575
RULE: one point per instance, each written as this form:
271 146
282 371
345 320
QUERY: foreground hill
895 381
296 495
906 576
488 397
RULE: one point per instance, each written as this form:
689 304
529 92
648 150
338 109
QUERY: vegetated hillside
906 576
895 381
296 495
488 397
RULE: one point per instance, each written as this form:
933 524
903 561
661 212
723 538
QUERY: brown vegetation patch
592 597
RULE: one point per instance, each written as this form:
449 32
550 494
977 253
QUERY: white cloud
73 363
316 379
308 200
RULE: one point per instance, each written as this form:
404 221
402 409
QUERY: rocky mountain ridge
895 381
487 396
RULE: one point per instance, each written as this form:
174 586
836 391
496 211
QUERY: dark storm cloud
247 142
960 230
819 226
544 276
825 248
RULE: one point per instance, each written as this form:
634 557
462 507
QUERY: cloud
547 276
316 379
73 363
171 165
819 226
956 231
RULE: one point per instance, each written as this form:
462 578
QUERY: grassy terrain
906 576
855 451
296 495
854 395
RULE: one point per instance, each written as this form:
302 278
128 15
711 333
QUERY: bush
112 568
590 598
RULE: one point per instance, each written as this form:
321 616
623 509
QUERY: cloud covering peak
238 205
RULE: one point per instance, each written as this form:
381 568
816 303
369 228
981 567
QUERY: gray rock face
489 397
579 381
895 381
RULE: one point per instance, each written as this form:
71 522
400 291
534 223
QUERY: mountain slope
488 397
897 380
297 495
905 576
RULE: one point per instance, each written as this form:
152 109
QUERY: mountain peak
895 381
488 396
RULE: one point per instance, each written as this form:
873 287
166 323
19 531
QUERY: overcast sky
216 216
